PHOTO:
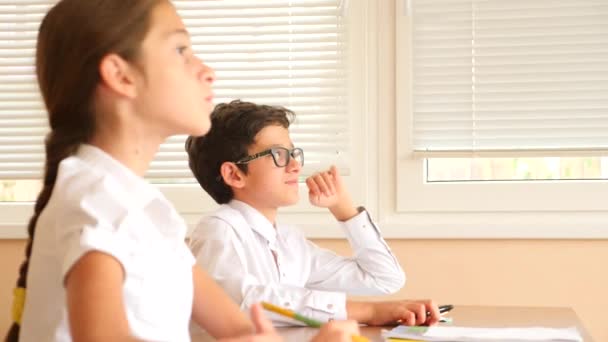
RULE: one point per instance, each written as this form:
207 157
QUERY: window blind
23 122
509 75
277 52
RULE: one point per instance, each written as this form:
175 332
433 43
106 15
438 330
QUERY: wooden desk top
474 316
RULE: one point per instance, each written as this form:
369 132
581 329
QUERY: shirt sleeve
92 223
372 270
218 250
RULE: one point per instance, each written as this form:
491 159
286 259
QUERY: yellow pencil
306 320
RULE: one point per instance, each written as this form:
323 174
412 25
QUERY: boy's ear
232 175
118 75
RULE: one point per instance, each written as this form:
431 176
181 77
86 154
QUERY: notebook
472 334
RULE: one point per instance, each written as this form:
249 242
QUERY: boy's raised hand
326 190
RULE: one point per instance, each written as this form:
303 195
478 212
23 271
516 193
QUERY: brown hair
234 126
67 63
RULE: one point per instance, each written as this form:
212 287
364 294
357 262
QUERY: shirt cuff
360 229
326 306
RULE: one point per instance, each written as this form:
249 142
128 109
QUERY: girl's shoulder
76 179
83 189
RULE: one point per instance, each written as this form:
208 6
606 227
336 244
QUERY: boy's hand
326 190
406 312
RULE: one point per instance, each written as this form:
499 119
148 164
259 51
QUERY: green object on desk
306 320
288 313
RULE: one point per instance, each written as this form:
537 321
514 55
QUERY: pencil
442 309
288 313
306 320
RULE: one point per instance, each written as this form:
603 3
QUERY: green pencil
288 313
306 320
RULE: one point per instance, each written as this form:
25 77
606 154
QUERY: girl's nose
206 74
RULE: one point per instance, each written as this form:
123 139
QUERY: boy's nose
293 165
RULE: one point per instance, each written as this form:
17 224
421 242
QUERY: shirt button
286 304
330 306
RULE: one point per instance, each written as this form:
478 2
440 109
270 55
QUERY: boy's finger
333 170
434 310
335 173
329 181
313 188
262 324
420 311
321 184
408 318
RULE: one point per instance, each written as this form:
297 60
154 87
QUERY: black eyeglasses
280 156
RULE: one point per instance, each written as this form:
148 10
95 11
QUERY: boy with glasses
248 164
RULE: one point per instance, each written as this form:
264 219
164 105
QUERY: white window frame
387 179
566 209
192 202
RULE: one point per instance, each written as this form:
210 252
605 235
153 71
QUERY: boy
248 164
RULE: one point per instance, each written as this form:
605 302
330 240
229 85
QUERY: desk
475 316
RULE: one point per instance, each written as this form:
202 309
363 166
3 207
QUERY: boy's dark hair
234 126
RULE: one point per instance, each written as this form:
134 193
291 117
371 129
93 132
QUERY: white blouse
100 205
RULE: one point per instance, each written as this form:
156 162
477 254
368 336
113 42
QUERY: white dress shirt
238 246
99 205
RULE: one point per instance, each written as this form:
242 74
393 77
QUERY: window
491 91
291 53
515 169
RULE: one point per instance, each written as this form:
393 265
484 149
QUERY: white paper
470 334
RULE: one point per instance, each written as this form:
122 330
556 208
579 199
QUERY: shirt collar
142 193
256 221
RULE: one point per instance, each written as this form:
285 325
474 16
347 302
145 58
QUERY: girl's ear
118 75
232 175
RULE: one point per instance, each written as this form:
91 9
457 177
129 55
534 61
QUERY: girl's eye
182 49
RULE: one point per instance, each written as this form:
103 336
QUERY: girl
106 258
